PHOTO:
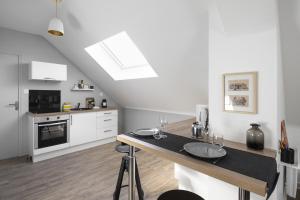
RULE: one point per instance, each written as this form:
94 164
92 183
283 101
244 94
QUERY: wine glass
163 123
218 139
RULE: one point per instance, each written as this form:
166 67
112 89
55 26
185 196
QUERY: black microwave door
44 101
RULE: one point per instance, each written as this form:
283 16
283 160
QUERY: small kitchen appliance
104 103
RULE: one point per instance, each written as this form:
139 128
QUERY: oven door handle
53 124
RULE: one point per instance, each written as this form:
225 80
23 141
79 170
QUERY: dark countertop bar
183 128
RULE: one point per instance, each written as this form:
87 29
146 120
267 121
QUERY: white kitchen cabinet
47 71
107 132
107 124
83 128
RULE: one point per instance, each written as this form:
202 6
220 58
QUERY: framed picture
240 92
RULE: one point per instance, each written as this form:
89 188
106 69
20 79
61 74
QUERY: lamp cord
56 8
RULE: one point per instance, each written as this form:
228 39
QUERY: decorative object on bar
145 132
240 92
204 150
202 115
104 103
197 130
255 137
200 127
287 154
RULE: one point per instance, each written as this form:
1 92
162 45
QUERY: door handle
51 124
16 105
48 78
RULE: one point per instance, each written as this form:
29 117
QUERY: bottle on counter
104 103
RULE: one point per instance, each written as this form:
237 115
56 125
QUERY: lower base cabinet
92 126
87 130
83 128
107 132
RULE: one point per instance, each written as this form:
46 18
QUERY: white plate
144 132
204 150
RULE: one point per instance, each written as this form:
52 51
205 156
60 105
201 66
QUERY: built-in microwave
44 101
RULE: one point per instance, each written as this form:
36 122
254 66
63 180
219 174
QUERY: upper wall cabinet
47 71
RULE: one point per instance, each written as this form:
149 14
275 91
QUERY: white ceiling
240 17
172 34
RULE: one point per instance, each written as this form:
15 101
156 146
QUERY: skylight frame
113 65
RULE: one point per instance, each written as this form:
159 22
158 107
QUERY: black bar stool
179 195
124 148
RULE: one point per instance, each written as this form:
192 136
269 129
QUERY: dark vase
255 137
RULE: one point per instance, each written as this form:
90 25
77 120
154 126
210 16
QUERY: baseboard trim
162 111
49 155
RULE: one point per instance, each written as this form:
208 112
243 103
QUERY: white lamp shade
56 27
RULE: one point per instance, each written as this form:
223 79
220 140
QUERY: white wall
32 47
290 41
257 49
244 53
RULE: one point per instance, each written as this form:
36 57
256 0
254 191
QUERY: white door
83 128
9 126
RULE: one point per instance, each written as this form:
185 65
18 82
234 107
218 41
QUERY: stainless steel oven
51 130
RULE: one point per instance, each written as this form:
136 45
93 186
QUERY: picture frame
240 92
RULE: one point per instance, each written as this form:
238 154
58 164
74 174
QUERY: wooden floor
297 197
88 175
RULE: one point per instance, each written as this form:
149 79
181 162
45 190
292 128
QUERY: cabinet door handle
108 113
106 120
71 119
48 78
107 131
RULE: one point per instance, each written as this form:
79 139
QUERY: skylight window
120 58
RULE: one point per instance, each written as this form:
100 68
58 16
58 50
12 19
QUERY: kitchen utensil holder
287 155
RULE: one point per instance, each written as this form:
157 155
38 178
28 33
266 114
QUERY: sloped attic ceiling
236 17
172 34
